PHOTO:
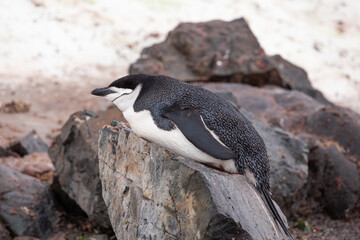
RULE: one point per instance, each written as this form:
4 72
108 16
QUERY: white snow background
93 40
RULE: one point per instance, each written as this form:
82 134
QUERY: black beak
102 91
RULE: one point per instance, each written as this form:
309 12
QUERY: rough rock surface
29 144
337 124
150 193
220 51
26 205
74 154
334 180
320 126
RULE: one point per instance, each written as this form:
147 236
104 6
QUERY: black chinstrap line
120 96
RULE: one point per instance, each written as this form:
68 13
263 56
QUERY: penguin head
122 92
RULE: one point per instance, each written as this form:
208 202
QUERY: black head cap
130 81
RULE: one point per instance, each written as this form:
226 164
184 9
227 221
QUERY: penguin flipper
189 122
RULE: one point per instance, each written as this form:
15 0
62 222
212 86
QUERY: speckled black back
160 94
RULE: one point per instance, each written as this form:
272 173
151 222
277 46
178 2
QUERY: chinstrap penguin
194 123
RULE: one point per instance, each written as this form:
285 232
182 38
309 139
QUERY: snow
91 41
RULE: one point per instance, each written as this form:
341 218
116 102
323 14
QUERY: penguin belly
143 125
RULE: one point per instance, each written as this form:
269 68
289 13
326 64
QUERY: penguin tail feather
274 210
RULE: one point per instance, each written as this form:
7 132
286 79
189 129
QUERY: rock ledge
153 194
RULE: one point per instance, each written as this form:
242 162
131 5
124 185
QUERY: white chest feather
143 125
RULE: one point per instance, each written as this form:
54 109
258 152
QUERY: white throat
127 100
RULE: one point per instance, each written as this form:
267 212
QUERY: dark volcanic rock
220 51
338 124
152 194
29 144
334 180
74 155
294 77
200 51
26 205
